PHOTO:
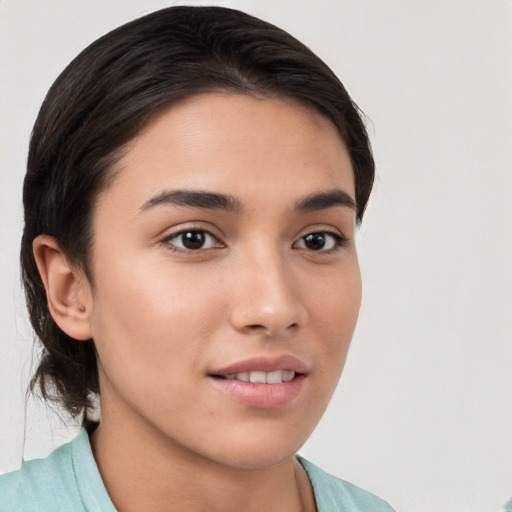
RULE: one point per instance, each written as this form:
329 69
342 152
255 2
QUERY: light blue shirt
68 480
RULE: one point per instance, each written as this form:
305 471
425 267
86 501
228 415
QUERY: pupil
315 241
193 239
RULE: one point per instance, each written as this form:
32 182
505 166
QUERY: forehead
235 143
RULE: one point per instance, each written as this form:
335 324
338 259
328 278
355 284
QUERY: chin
257 459
257 452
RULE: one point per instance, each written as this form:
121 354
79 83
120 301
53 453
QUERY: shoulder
68 479
332 492
40 484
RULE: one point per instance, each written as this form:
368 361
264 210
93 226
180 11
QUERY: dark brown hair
103 99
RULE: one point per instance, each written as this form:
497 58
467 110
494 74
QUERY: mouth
262 383
274 369
258 377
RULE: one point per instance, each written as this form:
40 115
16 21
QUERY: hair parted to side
103 99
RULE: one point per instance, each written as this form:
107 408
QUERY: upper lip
263 364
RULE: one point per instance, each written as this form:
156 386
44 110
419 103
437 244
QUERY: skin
163 317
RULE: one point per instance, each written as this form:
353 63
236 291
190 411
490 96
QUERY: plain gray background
423 413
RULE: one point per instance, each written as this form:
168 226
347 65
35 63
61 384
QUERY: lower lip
261 396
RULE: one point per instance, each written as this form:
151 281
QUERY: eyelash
168 241
338 241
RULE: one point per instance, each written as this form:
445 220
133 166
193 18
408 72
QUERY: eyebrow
324 200
216 201
195 199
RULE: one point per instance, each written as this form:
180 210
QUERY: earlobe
67 288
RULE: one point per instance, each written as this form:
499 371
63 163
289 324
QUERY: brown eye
315 241
192 240
320 241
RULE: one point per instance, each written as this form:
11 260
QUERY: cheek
152 319
333 314
336 298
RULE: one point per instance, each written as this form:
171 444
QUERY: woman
194 182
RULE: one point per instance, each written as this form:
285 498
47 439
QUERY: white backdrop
423 414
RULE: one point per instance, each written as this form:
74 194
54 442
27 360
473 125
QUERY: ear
67 288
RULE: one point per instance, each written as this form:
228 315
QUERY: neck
144 471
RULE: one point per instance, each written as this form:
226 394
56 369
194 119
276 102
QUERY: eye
192 240
320 241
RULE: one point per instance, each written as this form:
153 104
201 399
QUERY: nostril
260 327
255 327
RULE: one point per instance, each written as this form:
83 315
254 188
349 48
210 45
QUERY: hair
103 99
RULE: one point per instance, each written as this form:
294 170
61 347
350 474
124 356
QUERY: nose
266 297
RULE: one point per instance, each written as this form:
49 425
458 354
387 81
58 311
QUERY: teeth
288 376
259 377
275 377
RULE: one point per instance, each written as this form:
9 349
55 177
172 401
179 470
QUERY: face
224 252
